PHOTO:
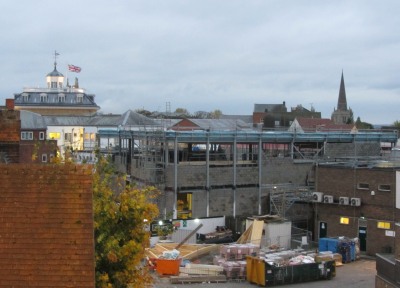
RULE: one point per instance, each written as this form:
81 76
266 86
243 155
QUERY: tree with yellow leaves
121 213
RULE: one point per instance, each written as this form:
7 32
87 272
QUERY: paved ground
360 273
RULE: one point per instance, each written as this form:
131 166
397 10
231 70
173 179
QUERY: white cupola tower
55 79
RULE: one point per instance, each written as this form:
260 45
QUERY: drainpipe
234 175
208 174
259 174
175 212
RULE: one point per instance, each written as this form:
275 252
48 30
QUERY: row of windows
68 136
28 135
381 187
379 224
60 98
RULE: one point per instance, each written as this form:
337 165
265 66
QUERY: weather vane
55 57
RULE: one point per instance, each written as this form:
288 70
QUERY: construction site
253 193
237 173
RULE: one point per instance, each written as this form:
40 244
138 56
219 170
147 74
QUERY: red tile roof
322 124
46 226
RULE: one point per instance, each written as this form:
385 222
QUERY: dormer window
25 97
43 97
79 98
61 98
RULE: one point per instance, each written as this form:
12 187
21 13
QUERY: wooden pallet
187 251
197 279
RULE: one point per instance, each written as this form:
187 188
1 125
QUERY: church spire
342 102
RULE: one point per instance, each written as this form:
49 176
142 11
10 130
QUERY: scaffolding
204 161
283 196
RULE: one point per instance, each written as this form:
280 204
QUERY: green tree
120 215
351 118
216 114
363 125
143 112
396 124
182 111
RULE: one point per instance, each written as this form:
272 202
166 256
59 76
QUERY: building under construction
236 173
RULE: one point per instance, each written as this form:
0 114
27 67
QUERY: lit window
344 220
364 186
384 187
54 135
383 225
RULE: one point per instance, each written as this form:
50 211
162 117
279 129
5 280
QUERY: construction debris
197 279
186 251
201 269
253 234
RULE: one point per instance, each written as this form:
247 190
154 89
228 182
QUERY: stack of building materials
201 269
186 251
329 256
232 258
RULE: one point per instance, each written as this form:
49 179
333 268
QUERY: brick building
46 226
356 199
277 116
10 130
23 137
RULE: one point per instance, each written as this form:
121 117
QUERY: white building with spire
57 99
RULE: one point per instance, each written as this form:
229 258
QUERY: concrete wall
274 170
193 177
333 150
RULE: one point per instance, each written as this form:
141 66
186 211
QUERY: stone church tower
342 115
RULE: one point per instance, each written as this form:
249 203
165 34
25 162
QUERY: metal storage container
265 274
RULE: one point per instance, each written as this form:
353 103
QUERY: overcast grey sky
206 55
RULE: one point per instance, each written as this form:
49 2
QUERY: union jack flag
74 68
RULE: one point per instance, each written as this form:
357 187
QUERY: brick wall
343 182
33 151
46 226
10 125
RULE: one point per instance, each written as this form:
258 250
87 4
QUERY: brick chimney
10 104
